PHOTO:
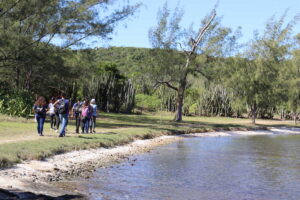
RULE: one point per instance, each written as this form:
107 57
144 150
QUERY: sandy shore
37 176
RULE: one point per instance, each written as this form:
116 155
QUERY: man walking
63 109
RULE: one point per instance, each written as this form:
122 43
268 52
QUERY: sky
251 15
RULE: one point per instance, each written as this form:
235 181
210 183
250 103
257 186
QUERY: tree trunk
295 118
253 112
17 78
180 96
178 115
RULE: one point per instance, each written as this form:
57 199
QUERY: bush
147 102
16 103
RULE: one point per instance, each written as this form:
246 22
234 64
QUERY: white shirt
51 108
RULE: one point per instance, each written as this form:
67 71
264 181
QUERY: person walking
63 110
57 120
40 110
77 108
52 113
93 117
86 115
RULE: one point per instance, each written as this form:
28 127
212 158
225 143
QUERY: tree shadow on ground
153 122
112 125
17 194
138 119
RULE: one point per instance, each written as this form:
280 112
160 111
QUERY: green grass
19 140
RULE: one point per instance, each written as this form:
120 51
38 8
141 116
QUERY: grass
19 140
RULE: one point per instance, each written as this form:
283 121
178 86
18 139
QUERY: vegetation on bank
222 77
19 140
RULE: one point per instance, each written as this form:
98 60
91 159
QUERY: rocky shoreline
37 176
40 177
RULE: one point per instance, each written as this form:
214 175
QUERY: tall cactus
112 93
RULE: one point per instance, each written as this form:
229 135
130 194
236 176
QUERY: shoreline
40 176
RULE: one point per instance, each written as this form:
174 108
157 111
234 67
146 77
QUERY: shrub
16 103
147 102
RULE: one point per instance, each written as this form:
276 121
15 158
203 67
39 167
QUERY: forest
203 71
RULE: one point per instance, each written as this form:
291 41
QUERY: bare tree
166 37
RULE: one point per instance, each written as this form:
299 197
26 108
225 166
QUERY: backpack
78 108
62 107
86 111
56 109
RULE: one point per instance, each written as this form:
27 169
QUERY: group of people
59 110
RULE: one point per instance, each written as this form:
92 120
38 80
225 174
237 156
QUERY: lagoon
213 168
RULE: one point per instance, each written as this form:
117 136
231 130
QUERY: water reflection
257 167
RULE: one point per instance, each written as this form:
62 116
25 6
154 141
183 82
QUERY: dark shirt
66 106
75 106
40 111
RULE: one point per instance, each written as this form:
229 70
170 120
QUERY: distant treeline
114 76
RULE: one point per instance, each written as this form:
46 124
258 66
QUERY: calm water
216 168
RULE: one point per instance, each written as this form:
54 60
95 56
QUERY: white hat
93 101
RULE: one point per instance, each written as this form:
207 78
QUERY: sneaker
56 131
94 131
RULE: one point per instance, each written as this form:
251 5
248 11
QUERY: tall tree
256 78
175 50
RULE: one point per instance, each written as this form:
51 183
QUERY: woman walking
77 113
40 109
86 114
93 117
52 113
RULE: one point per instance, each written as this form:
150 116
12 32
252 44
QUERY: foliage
35 36
112 91
147 102
219 79
16 102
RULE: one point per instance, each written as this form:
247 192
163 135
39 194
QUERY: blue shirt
94 106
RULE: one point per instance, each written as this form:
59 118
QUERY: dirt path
51 134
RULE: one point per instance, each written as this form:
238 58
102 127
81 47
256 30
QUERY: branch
202 32
186 52
198 70
14 5
158 83
78 40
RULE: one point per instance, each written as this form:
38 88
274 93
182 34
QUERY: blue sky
251 15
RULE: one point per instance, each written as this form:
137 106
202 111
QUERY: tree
175 51
256 78
28 28
290 78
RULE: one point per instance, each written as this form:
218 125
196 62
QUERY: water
213 168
